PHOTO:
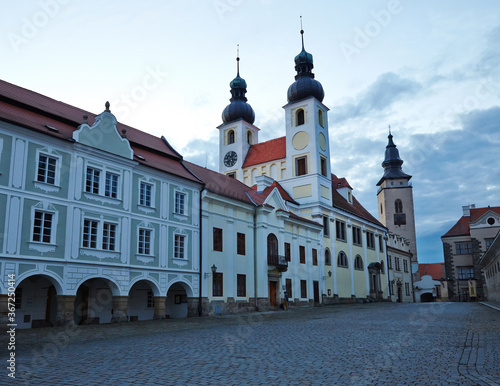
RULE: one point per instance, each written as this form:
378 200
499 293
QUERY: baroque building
463 246
101 220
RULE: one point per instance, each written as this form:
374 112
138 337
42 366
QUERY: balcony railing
277 261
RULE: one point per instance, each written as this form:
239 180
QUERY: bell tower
307 139
395 201
237 133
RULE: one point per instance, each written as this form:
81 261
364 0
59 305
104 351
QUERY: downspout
200 308
255 258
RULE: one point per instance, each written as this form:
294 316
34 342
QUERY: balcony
277 261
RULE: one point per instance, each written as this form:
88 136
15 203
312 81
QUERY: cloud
204 153
489 61
387 89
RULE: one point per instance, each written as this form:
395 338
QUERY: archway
176 304
141 304
36 302
426 297
94 302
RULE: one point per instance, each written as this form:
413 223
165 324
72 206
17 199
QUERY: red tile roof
259 198
355 208
340 182
34 111
435 270
265 152
461 228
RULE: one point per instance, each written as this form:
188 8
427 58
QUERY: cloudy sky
429 69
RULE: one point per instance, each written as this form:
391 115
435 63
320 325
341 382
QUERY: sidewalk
494 305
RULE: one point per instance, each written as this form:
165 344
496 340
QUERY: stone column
160 307
120 304
65 310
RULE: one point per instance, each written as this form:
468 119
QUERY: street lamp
214 269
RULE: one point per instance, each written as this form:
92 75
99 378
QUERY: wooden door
272 294
316 292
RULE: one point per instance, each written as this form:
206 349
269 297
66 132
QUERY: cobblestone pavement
428 343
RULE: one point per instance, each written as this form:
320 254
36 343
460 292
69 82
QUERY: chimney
467 209
263 182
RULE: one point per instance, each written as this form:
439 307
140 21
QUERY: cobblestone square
381 343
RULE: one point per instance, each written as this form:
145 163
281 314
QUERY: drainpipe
200 308
255 258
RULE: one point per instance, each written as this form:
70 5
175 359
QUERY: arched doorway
176 304
94 302
141 304
36 302
400 294
426 297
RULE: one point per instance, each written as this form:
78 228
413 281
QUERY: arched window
398 206
321 118
328 257
249 137
300 116
358 263
230 137
342 259
272 245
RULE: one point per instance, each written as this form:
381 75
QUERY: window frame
241 285
358 263
146 240
42 234
323 162
342 260
370 240
240 243
288 252
303 289
180 199
99 240
301 166
314 256
217 239
356 236
146 198
46 172
328 257
302 254
326 226
339 224
217 284
300 117
179 246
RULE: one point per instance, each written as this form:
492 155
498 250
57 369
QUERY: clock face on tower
230 158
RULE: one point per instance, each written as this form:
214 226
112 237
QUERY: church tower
237 133
395 201
307 140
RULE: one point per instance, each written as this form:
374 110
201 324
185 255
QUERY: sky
430 70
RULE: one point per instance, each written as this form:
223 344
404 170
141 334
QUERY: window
389 262
358 263
328 257
380 243
405 265
382 269
217 239
326 226
272 245
19 298
217 284
230 137
287 252
109 236
144 245
249 137
300 166
92 180
179 250
303 289
488 242
466 273
370 240
231 175
398 206
240 243
381 209
145 194
324 168
302 254
396 264
180 200
111 186
90 233
340 228
356 235
42 227
315 256
463 248
407 289
241 285
46 169
342 260
150 303
321 118
300 116
289 288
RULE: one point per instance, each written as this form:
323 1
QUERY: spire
392 162
305 85
238 108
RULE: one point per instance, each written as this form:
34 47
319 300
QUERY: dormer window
230 137
300 117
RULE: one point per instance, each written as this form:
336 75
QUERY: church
106 223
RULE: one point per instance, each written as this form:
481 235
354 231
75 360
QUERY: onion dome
238 108
305 85
392 163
